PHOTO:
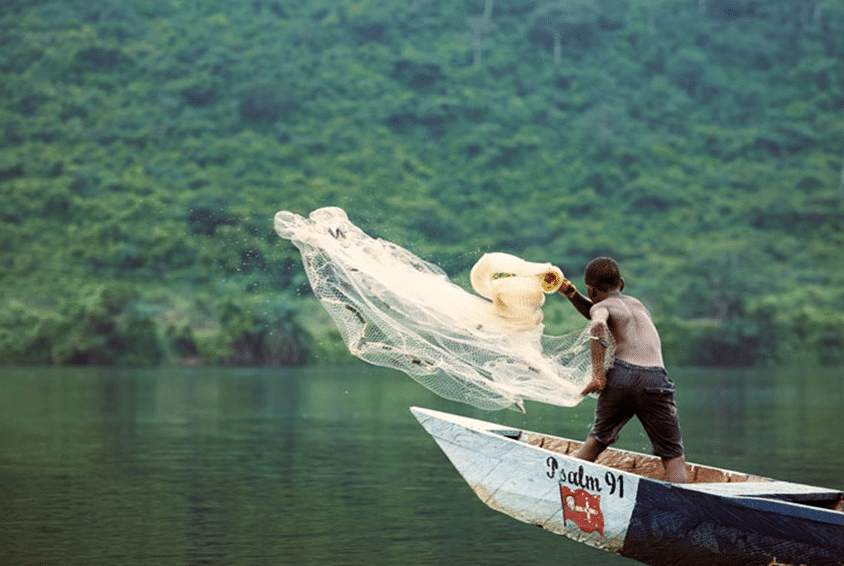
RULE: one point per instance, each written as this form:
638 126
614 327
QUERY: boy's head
603 274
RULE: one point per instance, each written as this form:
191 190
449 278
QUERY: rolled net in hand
396 310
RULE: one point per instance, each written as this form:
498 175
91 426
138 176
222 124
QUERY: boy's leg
675 469
657 411
591 449
612 411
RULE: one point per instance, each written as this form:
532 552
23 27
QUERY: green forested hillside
146 145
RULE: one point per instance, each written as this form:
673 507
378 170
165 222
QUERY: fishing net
394 309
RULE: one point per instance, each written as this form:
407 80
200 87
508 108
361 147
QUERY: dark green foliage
147 145
206 213
273 337
104 324
260 105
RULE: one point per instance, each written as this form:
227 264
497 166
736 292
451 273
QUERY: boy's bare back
636 338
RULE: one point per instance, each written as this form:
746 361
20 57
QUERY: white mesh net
396 310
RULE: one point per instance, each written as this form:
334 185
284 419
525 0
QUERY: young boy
637 384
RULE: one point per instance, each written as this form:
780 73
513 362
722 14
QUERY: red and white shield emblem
584 509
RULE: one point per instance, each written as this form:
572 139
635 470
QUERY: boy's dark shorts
647 393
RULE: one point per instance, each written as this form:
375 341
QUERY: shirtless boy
637 384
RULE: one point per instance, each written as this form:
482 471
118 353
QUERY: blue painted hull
673 525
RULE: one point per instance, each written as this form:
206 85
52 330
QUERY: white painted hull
525 483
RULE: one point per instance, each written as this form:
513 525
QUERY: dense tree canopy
146 146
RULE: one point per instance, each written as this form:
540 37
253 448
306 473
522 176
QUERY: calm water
327 466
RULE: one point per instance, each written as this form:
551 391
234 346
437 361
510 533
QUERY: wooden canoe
622 504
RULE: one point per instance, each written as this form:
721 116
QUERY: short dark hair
603 274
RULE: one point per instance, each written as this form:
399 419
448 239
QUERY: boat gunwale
650 466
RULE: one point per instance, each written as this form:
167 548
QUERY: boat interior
636 463
651 466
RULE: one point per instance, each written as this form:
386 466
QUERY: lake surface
327 466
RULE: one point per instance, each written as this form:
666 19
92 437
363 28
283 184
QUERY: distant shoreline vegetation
147 145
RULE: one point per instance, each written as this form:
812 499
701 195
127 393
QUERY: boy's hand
595 386
567 288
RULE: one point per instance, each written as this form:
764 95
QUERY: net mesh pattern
396 310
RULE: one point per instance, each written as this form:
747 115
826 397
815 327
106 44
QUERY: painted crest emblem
583 509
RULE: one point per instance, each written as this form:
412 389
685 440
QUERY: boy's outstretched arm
578 300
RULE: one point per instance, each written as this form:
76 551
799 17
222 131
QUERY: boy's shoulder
618 305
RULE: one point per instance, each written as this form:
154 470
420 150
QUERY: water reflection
316 466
